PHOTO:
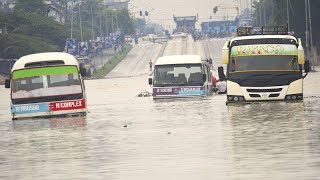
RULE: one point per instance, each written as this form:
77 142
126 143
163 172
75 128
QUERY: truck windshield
46 82
178 75
264 63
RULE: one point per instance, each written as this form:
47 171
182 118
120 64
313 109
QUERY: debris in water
144 94
125 126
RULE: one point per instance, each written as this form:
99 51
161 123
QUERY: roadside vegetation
112 63
30 30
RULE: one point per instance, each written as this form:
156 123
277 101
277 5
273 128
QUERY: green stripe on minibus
44 71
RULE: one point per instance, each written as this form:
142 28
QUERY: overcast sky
161 11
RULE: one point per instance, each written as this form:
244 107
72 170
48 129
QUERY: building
117 4
7 6
185 24
56 11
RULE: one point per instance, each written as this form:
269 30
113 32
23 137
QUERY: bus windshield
45 82
178 75
264 63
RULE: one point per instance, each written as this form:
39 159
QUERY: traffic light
140 13
215 9
147 13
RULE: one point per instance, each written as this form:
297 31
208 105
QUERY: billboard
72 46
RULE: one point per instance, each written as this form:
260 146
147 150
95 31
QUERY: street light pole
264 13
311 37
71 20
307 29
81 36
288 15
260 9
107 30
92 31
100 20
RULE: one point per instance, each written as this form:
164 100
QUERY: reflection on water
51 123
127 137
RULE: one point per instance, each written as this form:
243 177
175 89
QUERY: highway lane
125 137
137 61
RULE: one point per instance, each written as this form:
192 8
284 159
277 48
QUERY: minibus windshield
178 75
45 82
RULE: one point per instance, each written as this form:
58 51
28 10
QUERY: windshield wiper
254 75
277 75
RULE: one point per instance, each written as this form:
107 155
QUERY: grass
112 63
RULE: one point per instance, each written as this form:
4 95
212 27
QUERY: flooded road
125 137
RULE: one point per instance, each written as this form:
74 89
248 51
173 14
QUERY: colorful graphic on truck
264 50
178 91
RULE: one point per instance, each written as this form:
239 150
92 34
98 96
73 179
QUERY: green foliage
16 45
30 30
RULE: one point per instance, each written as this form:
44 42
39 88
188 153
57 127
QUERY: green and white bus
264 64
46 84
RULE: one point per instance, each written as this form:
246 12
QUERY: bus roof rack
268 30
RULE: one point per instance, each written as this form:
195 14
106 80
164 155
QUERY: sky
161 11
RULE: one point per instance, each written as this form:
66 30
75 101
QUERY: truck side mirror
204 77
225 53
222 77
150 81
301 58
307 67
7 83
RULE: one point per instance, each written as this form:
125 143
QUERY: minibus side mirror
307 67
150 81
204 77
83 72
222 77
7 83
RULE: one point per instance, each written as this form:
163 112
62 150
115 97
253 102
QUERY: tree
32 7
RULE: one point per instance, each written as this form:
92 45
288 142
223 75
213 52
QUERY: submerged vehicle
47 84
264 64
181 76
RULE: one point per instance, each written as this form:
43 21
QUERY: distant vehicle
181 76
149 37
264 64
136 40
47 84
85 62
179 35
128 39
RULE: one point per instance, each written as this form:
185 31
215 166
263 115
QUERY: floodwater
125 137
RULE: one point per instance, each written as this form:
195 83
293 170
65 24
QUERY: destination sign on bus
67 105
264 49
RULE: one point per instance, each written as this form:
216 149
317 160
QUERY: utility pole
311 37
307 31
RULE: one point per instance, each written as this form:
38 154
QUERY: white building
117 4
